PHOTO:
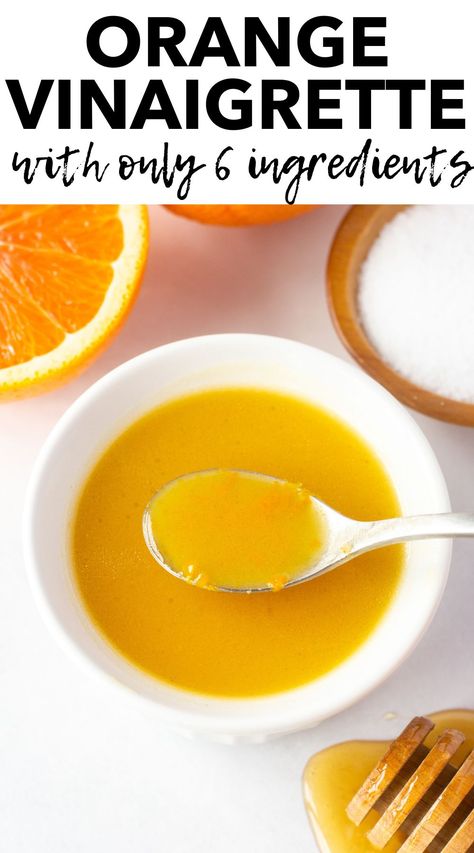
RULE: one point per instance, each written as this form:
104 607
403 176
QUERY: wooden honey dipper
417 792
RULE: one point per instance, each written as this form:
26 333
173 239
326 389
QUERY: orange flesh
333 776
235 530
220 643
55 269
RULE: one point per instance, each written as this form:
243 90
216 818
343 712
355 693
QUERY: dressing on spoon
234 530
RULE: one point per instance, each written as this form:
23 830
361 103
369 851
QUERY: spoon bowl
161 553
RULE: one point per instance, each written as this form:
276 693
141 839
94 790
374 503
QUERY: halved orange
68 276
239 214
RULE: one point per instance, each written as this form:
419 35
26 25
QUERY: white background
47 39
82 768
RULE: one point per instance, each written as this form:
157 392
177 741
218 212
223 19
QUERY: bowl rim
274 719
354 228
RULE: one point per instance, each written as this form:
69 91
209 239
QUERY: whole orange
239 214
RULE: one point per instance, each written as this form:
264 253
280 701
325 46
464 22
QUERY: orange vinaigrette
215 642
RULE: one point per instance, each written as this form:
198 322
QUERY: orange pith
68 274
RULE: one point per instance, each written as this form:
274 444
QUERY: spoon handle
392 530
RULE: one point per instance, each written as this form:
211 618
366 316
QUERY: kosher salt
416 298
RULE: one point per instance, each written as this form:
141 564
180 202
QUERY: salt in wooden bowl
352 243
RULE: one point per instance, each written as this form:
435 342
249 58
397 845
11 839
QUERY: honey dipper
417 792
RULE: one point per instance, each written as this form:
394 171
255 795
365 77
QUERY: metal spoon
345 537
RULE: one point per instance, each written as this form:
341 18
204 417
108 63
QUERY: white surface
84 769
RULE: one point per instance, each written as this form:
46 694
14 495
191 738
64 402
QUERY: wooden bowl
350 247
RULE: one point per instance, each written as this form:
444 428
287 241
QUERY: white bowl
118 399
